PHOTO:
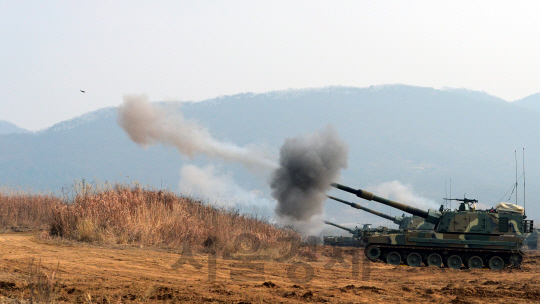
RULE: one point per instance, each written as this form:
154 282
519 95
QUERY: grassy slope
132 215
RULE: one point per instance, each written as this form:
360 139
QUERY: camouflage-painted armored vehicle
404 222
341 241
347 241
474 238
358 235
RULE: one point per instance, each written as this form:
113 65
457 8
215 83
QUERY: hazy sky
194 50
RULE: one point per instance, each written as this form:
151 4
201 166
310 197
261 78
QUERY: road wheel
414 259
393 258
434 259
373 252
496 263
475 263
454 262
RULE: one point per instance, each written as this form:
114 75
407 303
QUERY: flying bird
83 91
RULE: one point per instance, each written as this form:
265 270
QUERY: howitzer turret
404 222
358 234
464 236
351 241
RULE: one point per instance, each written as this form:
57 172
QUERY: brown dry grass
20 210
122 214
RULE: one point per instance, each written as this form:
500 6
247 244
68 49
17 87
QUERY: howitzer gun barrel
357 206
370 196
339 226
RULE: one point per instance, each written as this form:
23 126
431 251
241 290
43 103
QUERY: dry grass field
132 245
122 214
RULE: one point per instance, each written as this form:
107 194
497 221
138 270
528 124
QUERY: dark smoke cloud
307 166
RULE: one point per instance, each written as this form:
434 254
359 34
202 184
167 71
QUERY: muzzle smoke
307 164
148 124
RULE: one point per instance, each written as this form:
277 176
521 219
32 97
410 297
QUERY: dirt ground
83 273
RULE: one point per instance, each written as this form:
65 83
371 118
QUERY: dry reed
122 214
20 210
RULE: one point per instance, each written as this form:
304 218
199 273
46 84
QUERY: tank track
509 257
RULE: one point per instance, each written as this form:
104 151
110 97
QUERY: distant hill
419 136
8 128
83 120
530 102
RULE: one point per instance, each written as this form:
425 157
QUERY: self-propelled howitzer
464 236
351 241
358 234
404 222
351 231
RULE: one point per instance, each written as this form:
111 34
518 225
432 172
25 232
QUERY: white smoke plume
210 184
307 166
148 124
404 194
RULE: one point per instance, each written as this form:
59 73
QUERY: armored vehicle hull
342 241
444 249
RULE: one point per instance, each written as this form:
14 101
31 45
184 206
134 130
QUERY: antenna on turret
524 210
515 154
445 195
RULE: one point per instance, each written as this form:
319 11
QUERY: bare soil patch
85 273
